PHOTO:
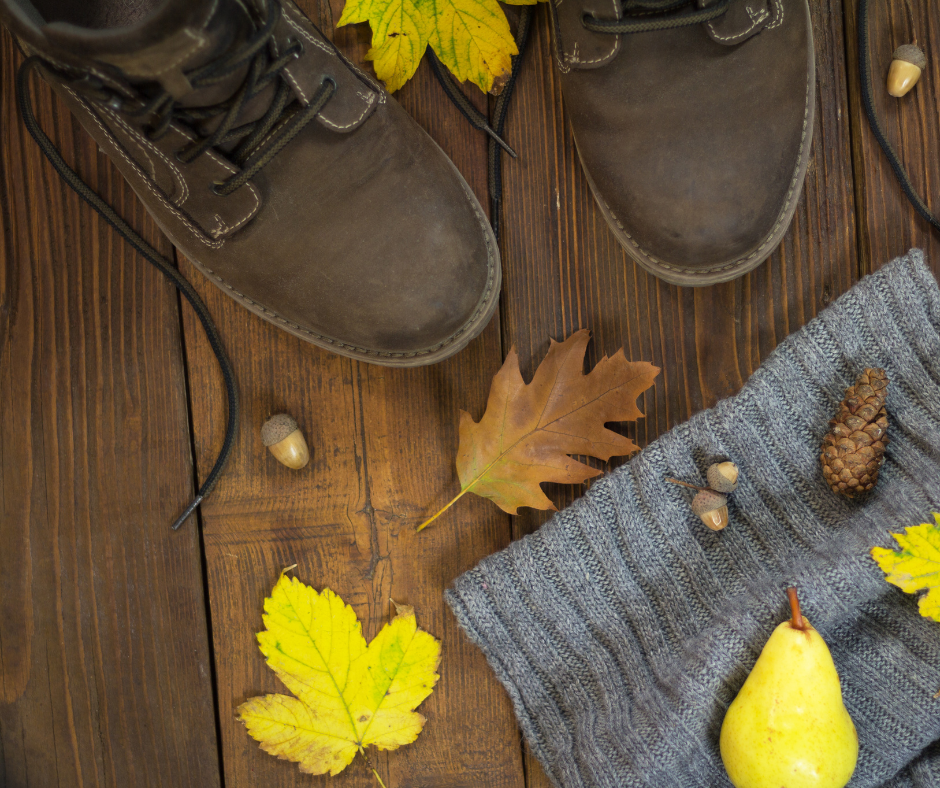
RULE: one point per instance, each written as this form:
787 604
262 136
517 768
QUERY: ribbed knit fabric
623 628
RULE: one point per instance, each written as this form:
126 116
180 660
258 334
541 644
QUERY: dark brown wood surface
889 224
125 648
106 678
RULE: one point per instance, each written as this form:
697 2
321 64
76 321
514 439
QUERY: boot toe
417 287
696 151
376 247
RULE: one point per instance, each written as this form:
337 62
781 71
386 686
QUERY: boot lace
647 16
864 67
259 141
264 67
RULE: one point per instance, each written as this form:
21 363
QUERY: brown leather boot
288 177
693 121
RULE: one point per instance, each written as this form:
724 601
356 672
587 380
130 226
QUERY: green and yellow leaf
916 566
471 37
399 36
348 695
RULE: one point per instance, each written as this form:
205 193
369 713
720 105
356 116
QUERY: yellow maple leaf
348 695
916 567
471 37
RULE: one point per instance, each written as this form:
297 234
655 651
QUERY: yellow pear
788 726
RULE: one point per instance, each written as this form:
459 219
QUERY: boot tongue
177 38
157 48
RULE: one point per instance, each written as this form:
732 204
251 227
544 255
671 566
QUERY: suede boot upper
695 137
355 232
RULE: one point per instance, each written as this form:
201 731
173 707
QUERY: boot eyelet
87 82
178 155
297 47
216 187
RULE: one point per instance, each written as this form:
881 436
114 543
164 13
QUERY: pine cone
852 453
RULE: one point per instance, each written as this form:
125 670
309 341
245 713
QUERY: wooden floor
125 647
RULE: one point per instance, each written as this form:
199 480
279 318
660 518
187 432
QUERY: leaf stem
686 484
426 523
365 757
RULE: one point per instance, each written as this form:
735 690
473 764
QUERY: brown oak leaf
529 430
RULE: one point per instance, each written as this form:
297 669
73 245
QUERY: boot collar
181 35
579 48
175 36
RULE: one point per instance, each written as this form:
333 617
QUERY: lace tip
185 515
501 142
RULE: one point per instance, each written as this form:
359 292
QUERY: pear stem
796 620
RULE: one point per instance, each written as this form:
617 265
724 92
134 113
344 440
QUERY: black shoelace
647 16
283 120
864 67
497 145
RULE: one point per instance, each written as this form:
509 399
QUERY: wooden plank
383 443
103 641
563 269
888 224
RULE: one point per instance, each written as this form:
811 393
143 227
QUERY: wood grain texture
383 443
888 224
104 677
104 661
564 270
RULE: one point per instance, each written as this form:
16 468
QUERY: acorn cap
707 501
911 53
277 428
723 477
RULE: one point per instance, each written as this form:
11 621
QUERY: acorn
285 441
723 477
712 508
908 64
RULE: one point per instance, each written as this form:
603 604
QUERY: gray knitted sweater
623 628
